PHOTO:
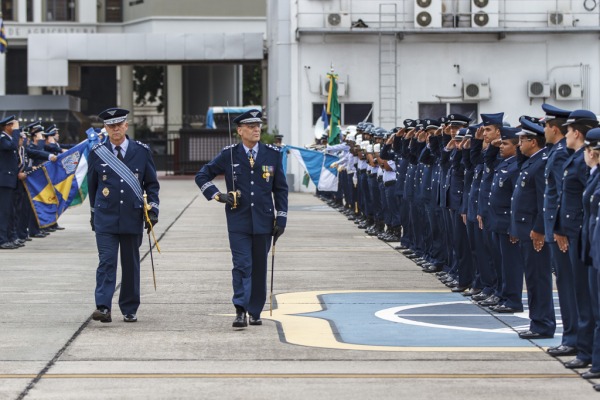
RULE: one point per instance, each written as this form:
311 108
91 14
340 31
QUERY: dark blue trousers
249 275
438 247
460 244
365 195
566 294
512 273
538 278
487 259
106 274
21 211
374 194
586 323
393 206
594 288
6 210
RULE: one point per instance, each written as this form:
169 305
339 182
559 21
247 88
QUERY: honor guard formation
487 207
21 152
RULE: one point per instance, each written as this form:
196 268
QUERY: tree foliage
252 75
148 84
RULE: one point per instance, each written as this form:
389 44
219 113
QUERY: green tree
148 84
252 75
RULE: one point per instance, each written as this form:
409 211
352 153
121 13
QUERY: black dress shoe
240 320
480 297
8 246
102 315
452 284
472 292
493 300
533 335
590 375
39 235
503 309
255 321
576 363
562 350
59 228
458 289
130 318
18 243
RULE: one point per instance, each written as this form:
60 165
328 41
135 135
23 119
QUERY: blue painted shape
353 320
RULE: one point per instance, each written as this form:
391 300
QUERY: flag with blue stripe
317 165
3 41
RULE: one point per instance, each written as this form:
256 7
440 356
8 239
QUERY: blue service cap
583 117
34 127
508 132
51 130
535 120
443 120
395 129
249 117
554 112
378 132
419 123
472 129
7 120
432 124
113 115
458 120
529 128
409 123
592 138
460 135
492 119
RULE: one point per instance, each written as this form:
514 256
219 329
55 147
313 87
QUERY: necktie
119 154
251 158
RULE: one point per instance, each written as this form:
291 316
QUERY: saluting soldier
255 179
9 161
119 171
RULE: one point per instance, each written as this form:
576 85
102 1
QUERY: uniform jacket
117 210
570 212
505 176
589 220
491 161
553 174
259 186
528 198
9 158
594 227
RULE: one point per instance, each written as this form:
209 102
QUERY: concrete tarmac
183 346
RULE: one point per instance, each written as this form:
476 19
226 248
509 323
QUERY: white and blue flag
317 165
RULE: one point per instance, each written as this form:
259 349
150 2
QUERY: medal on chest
267 172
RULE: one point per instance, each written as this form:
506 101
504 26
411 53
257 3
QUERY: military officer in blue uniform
567 230
503 185
9 161
527 228
119 172
558 153
255 180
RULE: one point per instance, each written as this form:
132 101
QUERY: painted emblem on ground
400 321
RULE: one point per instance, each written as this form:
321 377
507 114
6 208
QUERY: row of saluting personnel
487 206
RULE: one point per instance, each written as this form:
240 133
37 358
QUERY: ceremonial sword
146 208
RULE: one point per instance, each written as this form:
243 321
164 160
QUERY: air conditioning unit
560 19
428 13
341 88
538 89
484 13
568 91
476 91
338 19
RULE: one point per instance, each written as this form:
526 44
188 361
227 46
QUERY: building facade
86 50
427 58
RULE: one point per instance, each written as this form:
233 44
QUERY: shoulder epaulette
96 146
143 145
273 147
229 146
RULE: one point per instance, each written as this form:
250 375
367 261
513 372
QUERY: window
352 113
60 10
114 11
8 10
437 110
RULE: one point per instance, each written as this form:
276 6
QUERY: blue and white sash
120 168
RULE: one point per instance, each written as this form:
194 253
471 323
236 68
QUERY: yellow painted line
291 376
316 332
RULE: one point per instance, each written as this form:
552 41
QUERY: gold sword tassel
148 207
